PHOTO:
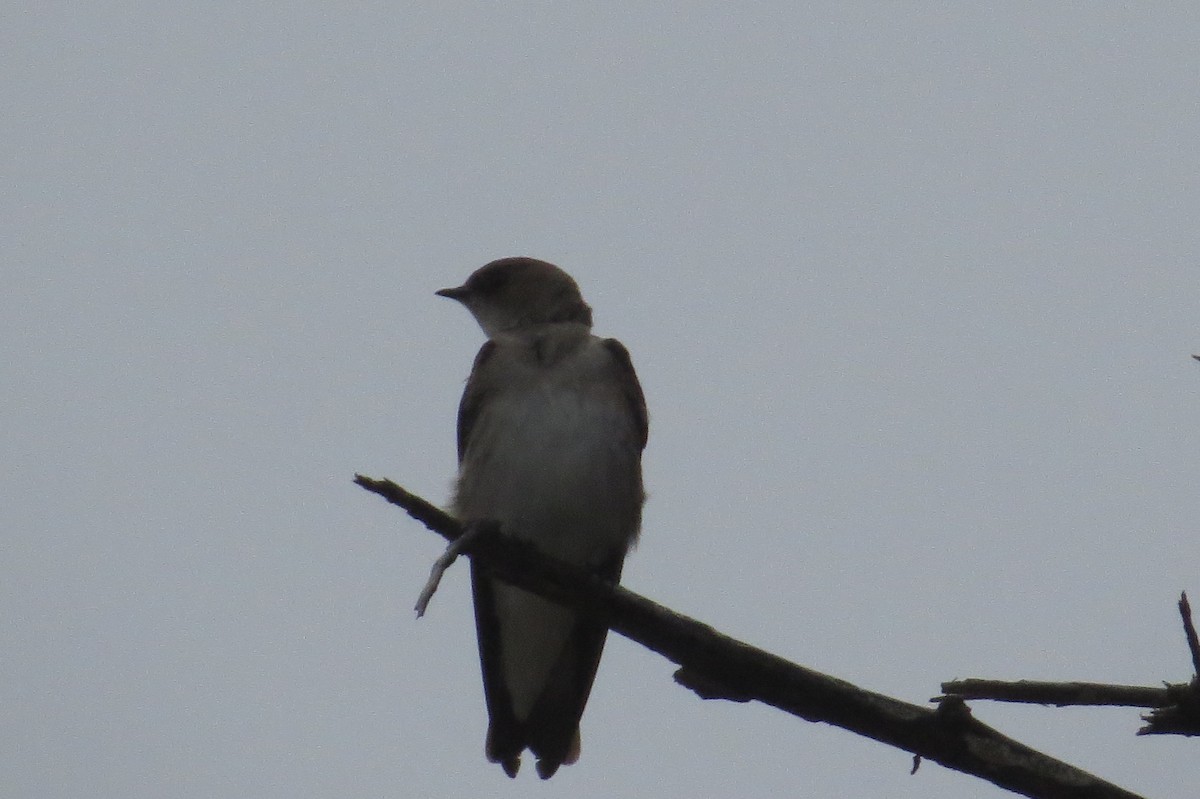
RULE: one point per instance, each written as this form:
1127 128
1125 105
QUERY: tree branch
1060 694
1175 706
715 665
1181 716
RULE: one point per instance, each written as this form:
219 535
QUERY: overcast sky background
912 291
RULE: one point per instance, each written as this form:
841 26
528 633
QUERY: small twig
470 533
1189 629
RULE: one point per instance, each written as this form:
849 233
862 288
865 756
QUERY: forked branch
1175 707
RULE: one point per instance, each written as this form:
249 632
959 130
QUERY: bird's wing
631 389
473 397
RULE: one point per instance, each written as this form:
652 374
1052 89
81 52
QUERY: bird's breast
557 464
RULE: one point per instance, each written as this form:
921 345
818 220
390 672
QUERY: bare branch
1175 707
725 667
1060 694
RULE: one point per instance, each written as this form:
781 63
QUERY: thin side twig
455 548
1189 630
1060 694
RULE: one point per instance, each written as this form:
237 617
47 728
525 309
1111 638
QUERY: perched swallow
551 429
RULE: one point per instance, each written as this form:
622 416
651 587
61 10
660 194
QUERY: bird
551 428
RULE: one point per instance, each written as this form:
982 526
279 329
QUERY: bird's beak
457 293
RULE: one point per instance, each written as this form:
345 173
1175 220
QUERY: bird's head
514 293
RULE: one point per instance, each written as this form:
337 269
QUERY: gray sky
912 291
